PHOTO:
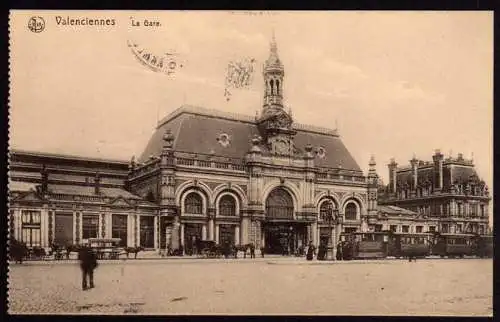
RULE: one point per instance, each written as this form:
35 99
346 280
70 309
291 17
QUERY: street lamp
332 216
290 240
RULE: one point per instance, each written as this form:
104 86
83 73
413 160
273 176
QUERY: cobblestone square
257 286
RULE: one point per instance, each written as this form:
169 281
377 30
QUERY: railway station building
212 175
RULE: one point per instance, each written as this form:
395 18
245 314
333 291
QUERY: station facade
209 175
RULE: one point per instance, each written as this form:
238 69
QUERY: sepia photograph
250 163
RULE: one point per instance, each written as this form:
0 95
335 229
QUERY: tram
410 244
367 245
455 245
484 246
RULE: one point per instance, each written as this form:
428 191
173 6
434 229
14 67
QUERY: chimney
45 180
97 183
414 171
392 175
438 158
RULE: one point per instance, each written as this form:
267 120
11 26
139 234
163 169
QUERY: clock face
281 147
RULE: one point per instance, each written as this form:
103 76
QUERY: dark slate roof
89 191
21 186
404 177
196 131
425 174
462 173
394 210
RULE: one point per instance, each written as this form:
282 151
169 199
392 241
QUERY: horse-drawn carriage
105 248
208 249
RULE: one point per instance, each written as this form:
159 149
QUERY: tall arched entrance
282 233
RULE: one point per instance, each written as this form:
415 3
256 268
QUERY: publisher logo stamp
36 24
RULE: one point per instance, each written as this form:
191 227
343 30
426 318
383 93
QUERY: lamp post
332 217
290 241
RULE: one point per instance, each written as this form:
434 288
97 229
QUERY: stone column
262 238
176 238
156 234
104 226
137 230
236 235
334 242
204 232
109 224
17 224
315 233
130 230
245 227
182 234
52 225
77 227
99 225
211 229
44 227
211 224
217 233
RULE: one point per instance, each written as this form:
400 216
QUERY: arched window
279 204
277 87
193 204
351 211
227 206
326 210
272 87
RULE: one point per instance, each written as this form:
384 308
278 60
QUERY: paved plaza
257 286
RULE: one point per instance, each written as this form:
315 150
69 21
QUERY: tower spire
273 78
274 46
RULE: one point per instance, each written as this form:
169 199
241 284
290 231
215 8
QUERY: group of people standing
322 252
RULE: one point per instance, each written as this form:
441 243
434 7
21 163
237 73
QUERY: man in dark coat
252 250
88 262
311 250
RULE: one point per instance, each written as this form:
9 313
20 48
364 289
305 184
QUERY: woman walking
311 251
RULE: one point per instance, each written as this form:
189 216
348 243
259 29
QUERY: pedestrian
252 250
88 263
262 251
321 251
340 250
311 251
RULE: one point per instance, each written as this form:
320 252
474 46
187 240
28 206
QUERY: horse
18 251
72 248
243 248
133 250
38 252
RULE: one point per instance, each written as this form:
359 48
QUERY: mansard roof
90 191
196 130
394 210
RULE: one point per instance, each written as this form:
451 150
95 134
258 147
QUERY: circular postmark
167 63
36 24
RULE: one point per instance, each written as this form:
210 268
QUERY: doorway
192 234
284 238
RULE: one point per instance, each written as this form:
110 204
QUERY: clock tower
275 123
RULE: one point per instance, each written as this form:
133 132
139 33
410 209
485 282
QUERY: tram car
410 245
366 245
484 246
455 245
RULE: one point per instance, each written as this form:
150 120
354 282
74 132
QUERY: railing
188 162
60 196
339 176
210 164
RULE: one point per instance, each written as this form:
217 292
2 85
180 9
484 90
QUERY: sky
396 84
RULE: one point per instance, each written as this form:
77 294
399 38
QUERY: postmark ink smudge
167 63
239 74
